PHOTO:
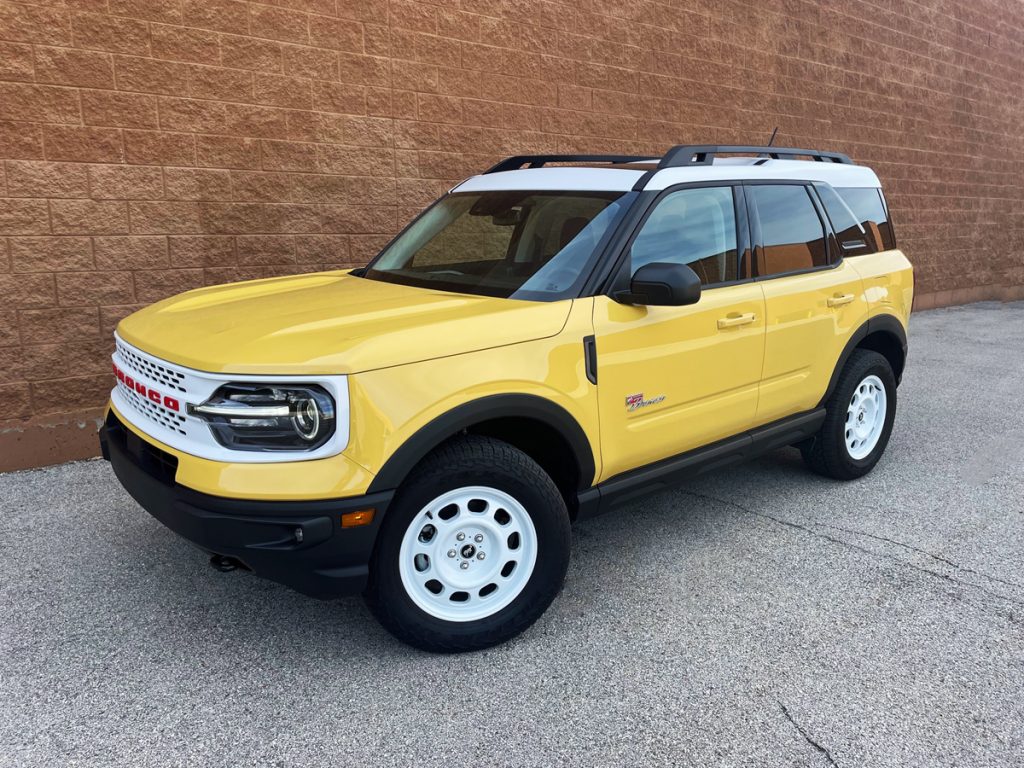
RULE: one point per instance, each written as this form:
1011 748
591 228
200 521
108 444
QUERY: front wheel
858 420
473 549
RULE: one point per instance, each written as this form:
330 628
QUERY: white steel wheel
467 554
865 417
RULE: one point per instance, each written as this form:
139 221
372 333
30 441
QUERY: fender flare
428 437
888 324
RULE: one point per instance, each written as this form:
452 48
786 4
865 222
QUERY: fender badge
637 401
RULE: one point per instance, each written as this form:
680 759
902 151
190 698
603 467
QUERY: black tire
470 461
826 453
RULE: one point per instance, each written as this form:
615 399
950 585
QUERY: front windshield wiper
415 274
444 272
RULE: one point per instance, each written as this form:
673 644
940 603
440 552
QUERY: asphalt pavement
761 616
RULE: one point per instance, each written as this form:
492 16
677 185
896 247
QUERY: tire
506 509
854 434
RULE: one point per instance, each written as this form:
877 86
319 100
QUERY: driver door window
696 227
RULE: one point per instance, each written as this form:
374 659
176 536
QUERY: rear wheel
473 549
858 420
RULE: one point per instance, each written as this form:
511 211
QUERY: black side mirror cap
662 284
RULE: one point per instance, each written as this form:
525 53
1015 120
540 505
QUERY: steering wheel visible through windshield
537 246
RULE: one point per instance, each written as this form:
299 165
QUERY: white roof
729 169
554 178
568 178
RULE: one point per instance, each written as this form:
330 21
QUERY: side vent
590 358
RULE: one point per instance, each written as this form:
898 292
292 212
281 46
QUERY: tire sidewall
545 508
868 365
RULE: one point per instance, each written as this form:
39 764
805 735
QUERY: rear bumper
297 543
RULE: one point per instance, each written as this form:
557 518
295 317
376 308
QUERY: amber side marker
359 517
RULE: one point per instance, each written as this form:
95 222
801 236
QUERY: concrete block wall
152 146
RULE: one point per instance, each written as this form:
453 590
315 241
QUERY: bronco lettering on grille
170 403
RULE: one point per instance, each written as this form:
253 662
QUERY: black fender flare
428 437
888 324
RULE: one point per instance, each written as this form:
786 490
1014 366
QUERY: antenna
772 139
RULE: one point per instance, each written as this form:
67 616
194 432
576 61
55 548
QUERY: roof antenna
764 157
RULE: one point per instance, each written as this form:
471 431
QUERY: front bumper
297 543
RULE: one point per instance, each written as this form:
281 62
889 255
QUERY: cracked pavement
758 616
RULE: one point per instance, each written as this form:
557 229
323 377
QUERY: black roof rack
677 157
703 154
538 161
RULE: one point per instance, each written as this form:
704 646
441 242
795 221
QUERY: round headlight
306 419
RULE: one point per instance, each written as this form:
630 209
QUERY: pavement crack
807 737
926 553
850 545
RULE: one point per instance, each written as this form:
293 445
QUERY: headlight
269 417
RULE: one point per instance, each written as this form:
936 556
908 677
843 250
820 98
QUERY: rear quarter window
852 237
870 212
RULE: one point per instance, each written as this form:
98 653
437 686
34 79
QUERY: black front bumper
298 543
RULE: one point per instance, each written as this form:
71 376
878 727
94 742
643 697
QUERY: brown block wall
152 146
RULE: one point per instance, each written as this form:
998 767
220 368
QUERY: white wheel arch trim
468 554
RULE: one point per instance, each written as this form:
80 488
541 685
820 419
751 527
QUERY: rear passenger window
866 204
792 233
691 226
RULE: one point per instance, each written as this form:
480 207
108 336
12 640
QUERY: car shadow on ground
168 579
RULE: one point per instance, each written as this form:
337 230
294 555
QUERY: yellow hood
329 322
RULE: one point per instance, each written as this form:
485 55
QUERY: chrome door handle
840 299
735 320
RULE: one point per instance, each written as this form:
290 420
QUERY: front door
671 379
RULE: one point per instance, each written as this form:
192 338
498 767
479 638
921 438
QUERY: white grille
150 410
148 367
164 382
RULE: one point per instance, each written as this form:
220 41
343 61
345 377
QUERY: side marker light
359 517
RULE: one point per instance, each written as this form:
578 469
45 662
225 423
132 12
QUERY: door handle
840 299
732 321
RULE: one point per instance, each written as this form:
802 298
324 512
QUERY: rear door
813 298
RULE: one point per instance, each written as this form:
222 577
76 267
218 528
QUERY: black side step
669 472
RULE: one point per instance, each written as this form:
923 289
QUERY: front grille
159 375
154 412
151 369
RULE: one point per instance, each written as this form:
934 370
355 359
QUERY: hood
329 323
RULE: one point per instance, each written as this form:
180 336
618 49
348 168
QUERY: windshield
520 245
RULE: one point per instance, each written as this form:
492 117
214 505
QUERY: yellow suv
541 345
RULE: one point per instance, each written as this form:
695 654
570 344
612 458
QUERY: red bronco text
170 403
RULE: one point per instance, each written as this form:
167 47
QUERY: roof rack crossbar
539 161
703 154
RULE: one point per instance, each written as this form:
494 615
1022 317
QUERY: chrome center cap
467 551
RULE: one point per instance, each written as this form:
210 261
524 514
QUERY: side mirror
662 284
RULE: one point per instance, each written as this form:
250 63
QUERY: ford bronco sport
540 345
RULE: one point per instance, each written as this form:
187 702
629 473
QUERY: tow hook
225 564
